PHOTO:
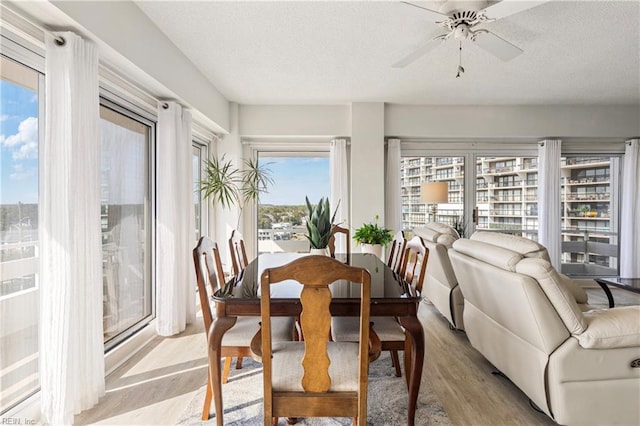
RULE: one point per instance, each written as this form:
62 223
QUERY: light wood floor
154 387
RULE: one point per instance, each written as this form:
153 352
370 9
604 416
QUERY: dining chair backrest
315 377
238 252
396 252
332 240
414 264
209 275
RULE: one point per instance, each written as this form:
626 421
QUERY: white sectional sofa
578 367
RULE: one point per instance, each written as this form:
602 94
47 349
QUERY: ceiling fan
460 23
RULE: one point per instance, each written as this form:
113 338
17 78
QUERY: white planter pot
372 248
319 252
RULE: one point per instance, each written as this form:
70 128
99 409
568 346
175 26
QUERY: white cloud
28 151
27 132
20 173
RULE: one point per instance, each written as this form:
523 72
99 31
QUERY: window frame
203 146
107 100
15 48
280 149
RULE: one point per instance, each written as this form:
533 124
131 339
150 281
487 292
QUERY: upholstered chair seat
287 366
391 334
347 329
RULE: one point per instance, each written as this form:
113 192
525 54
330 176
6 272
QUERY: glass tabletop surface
385 284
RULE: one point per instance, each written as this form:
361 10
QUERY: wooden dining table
390 296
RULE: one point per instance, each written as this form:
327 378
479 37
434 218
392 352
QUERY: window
126 221
416 170
20 89
506 198
199 156
589 215
506 194
282 211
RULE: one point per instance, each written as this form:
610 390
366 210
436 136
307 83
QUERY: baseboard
125 350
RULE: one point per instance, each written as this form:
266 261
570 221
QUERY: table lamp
432 193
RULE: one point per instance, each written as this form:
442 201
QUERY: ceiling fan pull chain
460 69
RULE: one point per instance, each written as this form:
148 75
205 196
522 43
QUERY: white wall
517 122
367 163
295 120
227 220
123 27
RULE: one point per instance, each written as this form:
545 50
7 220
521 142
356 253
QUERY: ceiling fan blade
510 7
431 14
424 48
497 46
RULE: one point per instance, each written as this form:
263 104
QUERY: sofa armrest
611 328
576 287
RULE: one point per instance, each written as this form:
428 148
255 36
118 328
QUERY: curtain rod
21 16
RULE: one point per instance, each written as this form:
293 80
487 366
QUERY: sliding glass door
506 195
126 221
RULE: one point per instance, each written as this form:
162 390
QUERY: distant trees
14 215
269 214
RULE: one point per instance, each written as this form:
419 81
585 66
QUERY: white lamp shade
434 192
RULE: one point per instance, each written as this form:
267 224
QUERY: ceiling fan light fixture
461 32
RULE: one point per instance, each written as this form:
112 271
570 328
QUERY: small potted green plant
372 237
319 225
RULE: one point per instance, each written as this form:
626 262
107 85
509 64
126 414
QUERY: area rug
387 400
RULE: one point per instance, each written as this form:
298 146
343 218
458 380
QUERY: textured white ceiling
311 52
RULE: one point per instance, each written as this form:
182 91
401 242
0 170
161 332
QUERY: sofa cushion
524 246
611 328
558 294
493 255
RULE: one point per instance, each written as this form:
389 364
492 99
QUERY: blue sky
18 144
295 177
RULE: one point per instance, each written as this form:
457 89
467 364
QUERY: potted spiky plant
319 225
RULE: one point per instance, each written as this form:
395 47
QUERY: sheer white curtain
393 198
549 220
71 341
339 186
175 282
630 218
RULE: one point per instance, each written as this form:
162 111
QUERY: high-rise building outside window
506 191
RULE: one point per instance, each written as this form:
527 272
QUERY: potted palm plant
319 225
230 186
372 238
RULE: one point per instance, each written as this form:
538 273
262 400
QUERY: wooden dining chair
414 263
315 377
238 252
332 240
396 252
393 337
236 341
